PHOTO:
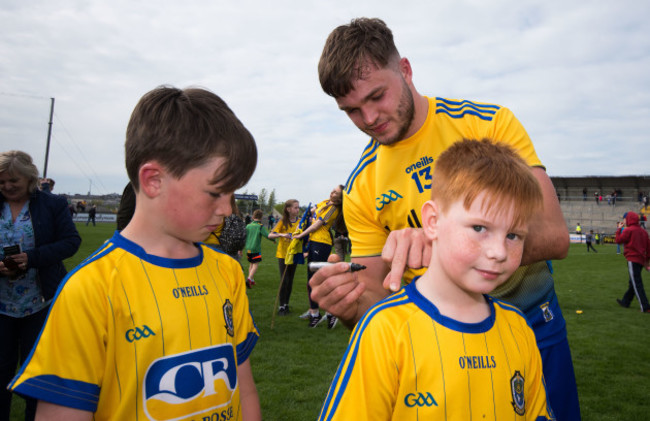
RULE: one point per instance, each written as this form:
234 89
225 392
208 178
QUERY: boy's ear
151 174
430 216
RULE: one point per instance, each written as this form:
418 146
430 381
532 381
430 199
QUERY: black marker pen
354 267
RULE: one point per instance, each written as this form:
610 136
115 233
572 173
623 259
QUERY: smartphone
8 252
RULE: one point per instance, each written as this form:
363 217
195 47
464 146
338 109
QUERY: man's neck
420 113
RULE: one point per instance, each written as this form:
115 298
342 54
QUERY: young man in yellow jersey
155 324
440 348
362 70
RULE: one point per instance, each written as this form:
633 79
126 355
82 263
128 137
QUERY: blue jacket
56 239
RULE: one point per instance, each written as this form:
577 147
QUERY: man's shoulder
461 108
363 167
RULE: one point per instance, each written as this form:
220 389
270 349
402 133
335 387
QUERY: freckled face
477 252
195 207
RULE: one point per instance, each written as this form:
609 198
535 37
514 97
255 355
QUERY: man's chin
383 140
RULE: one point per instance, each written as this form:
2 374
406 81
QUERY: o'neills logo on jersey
191 291
477 361
175 386
423 162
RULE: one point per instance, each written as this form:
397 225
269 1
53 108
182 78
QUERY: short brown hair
350 49
258 214
182 130
470 167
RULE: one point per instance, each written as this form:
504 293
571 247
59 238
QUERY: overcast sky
576 73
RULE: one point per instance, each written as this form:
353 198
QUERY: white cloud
575 74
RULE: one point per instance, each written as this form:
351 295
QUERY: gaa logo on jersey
419 399
386 198
174 386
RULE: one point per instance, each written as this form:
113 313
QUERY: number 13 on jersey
422 179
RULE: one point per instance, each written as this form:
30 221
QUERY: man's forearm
548 236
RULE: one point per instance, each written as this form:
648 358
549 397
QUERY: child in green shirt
254 232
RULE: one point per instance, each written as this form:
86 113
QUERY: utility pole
49 135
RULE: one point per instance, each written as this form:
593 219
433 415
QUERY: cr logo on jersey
205 378
517 388
386 198
419 399
139 333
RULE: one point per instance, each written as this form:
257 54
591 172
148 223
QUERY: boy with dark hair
155 324
254 233
440 348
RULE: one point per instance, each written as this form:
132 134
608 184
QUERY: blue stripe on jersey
245 348
397 299
432 311
459 109
117 373
64 392
135 348
368 155
506 306
164 262
442 367
155 300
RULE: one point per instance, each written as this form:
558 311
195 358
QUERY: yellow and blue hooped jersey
137 336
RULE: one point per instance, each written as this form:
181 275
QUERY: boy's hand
404 248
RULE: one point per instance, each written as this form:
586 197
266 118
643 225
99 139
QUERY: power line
98 179
70 157
23 95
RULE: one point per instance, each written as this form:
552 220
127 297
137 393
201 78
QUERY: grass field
293 365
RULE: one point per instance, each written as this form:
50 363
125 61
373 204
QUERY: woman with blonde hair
37 234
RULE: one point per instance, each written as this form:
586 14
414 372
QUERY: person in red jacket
637 254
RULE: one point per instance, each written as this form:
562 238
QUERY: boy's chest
174 310
461 373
